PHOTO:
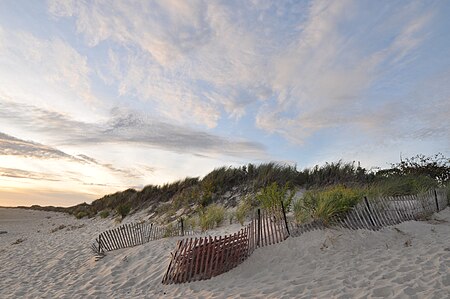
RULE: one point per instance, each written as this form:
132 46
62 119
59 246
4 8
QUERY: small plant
243 210
191 223
272 195
81 214
62 226
403 185
170 229
18 241
104 214
326 203
212 216
123 210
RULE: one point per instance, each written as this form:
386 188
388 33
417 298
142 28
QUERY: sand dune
410 260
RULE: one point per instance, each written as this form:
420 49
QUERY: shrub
191 223
403 185
81 214
104 213
243 210
123 210
326 203
212 216
272 195
170 229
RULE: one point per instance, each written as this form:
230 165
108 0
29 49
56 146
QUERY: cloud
125 127
193 61
25 174
10 145
48 70
324 77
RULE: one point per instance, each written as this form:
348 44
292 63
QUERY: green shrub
243 210
170 228
212 216
326 203
402 185
123 210
272 195
104 213
191 223
81 214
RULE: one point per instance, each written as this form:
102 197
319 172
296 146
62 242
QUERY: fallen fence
203 258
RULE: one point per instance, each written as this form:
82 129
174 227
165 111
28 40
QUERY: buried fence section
203 258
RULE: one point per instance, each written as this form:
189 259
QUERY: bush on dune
402 185
123 210
104 214
243 210
324 204
272 195
212 216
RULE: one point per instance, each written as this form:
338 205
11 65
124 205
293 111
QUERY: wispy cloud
193 62
47 69
125 127
10 145
25 174
323 77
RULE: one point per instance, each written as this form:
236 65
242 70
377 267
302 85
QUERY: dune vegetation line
231 193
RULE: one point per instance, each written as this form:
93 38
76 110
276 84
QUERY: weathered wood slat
108 241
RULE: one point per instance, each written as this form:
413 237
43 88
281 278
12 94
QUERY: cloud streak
125 127
10 145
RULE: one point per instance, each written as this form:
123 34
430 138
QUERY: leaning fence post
370 211
259 227
182 227
436 199
285 220
99 243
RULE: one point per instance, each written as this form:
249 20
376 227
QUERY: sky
101 96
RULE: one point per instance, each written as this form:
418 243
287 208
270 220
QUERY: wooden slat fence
381 212
202 258
133 234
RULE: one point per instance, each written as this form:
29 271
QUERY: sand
410 260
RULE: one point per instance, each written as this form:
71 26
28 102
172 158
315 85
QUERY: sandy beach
47 255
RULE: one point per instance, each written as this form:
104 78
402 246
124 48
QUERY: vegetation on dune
332 187
243 209
212 216
123 210
104 214
326 203
272 195
401 185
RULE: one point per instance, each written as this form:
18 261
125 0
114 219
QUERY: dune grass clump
104 214
212 216
272 195
243 210
402 185
123 210
324 204
81 214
